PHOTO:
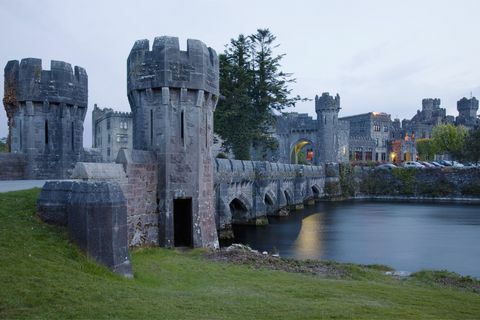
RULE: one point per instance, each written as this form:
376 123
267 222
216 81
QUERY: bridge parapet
248 191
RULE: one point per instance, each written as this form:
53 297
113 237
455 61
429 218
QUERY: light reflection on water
406 236
309 240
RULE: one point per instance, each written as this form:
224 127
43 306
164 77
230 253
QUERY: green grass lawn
43 275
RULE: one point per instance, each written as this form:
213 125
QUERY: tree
3 145
426 149
253 85
450 139
472 146
233 116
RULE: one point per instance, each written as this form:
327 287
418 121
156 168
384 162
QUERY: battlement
110 112
464 104
430 104
165 65
327 102
27 81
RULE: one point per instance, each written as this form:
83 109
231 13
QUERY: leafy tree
253 85
472 146
448 138
426 149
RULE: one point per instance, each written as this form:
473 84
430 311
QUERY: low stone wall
12 166
95 213
454 183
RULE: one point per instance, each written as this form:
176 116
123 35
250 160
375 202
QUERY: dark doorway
182 220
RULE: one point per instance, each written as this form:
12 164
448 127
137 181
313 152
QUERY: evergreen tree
253 85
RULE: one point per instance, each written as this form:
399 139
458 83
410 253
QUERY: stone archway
316 191
239 210
302 152
270 203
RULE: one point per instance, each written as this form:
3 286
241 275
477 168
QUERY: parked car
457 164
445 163
427 164
386 166
412 164
436 164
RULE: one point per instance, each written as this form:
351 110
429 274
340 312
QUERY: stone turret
430 105
327 108
467 112
46 110
172 95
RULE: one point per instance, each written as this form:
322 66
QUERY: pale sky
378 55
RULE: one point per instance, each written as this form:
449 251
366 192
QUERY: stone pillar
172 95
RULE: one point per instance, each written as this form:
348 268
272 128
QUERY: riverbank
43 275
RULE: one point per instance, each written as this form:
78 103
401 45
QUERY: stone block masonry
12 166
246 192
95 213
173 94
45 111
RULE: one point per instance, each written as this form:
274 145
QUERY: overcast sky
378 55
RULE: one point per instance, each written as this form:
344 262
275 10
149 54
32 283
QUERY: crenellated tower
467 112
46 110
172 95
327 108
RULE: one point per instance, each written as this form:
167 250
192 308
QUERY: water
405 236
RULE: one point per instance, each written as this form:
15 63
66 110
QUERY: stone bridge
246 192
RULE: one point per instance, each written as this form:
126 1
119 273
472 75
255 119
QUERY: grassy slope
42 275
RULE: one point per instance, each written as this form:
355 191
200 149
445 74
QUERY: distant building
369 136
467 113
111 131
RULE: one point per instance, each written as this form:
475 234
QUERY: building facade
111 131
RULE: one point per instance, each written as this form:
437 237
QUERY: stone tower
46 110
430 105
327 108
172 95
467 111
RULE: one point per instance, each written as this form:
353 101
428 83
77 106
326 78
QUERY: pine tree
253 85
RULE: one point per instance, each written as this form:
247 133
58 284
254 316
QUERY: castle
371 136
153 180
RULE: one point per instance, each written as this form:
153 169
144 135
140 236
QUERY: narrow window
151 127
46 131
182 126
73 137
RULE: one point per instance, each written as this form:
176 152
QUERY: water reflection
406 236
309 242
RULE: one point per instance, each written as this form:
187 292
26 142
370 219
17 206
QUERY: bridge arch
302 151
240 210
288 197
316 190
270 201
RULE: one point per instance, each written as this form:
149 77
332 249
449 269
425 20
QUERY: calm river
405 236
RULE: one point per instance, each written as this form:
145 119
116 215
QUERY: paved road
14 185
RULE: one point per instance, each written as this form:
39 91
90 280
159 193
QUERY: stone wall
246 192
446 183
45 111
140 190
12 166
